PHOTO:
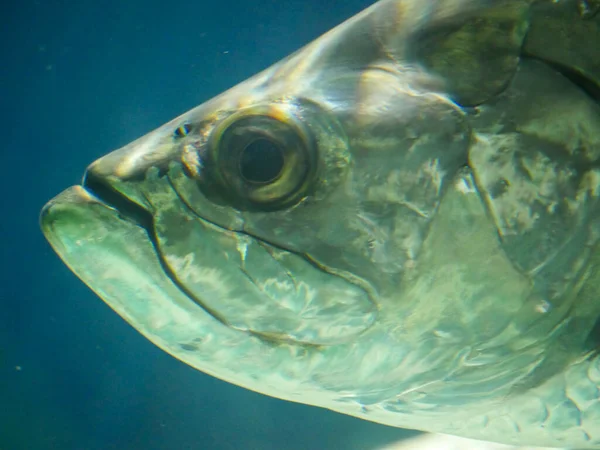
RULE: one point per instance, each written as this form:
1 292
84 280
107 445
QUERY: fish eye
262 158
261 161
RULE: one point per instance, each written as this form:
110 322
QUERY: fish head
348 228
285 211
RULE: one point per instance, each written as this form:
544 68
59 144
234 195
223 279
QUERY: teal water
80 79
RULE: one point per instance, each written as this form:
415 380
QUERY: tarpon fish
399 222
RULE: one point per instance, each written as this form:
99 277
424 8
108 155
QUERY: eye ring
262 158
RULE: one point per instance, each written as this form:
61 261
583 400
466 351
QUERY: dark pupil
261 161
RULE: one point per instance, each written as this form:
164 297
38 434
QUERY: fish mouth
110 251
241 281
124 207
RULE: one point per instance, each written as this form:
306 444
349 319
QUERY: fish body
397 222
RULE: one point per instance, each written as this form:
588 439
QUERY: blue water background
78 79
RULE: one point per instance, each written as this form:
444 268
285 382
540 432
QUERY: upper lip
126 208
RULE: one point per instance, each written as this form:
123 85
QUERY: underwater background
79 79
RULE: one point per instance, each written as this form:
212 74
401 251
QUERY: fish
398 222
